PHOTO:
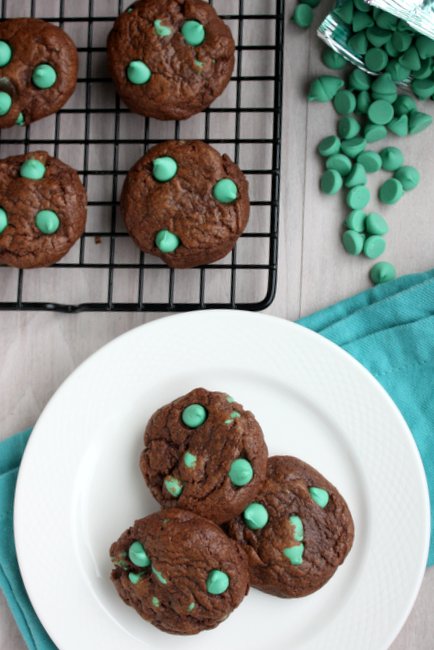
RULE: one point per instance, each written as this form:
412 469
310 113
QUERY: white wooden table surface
39 350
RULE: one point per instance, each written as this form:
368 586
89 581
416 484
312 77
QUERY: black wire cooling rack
98 136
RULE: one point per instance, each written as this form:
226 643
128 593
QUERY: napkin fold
389 329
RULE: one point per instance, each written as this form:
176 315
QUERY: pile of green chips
370 107
303 13
385 43
375 99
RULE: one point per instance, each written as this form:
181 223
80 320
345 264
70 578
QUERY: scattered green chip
361 21
408 176
332 59
348 127
359 80
418 122
410 59
425 47
375 224
391 49
399 125
392 158
376 59
344 102
404 105
303 15
357 176
353 147
390 191
378 36
345 12
401 41
329 146
371 161
382 272
397 71
383 87
356 220
340 163
324 88
363 102
423 88
385 20
331 182
358 43
425 71
380 112
375 132
358 197
374 246
353 242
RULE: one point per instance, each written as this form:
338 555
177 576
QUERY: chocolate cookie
296 532
185 203
42 209
170 59
205 453
179 571
38 70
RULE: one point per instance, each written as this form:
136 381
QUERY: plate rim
196 315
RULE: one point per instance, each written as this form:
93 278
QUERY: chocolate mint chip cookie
170 59
185 203
179 571
205 453
42 209
296 531
38 70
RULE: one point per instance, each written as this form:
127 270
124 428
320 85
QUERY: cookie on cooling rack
296 532
179 571
170 59
205 453
42 209
185 203
38 70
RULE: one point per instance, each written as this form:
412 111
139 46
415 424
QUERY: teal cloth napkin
389 329
36 638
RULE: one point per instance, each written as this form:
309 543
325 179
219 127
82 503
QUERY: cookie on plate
42 209
179 571
185 203
38 70
296 532
170 59
205 453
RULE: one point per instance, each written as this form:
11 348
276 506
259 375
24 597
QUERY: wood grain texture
38 351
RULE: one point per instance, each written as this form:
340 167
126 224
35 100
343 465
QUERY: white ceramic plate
79 485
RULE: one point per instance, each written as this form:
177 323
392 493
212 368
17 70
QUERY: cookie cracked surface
40 73
306 533
179 571
170 59
43 208
205 453
185 203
